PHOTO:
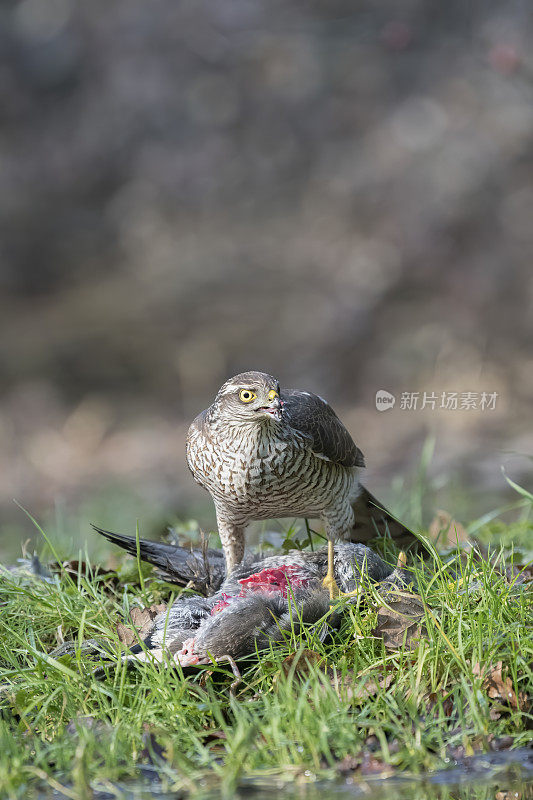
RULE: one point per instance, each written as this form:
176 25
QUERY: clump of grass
293 719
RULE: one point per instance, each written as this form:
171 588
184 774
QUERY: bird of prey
262 453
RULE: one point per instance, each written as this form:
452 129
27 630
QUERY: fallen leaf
457 753
462 754
141 623
499 743
431 699
519 573
301 662
399 622
499 688
365 764
374 766
360 688
445 530
349 764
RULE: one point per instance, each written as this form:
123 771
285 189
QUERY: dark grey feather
202 570
257 622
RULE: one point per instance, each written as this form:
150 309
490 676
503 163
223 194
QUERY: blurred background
339 193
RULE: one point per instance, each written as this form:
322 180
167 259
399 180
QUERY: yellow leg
329 581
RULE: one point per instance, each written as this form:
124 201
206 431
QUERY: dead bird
262 602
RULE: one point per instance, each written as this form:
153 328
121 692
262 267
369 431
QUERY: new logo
384 400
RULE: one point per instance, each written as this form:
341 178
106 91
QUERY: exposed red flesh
273 580
276 580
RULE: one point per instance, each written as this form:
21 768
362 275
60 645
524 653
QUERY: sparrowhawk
265 454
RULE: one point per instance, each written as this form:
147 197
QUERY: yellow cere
272 394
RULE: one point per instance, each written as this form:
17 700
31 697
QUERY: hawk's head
247 397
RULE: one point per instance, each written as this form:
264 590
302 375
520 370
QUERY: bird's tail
202 569
373 521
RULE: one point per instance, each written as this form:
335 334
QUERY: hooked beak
273 409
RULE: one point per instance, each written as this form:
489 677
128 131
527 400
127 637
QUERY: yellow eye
247 396
272 394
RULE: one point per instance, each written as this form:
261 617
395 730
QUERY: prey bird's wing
203 570
310 415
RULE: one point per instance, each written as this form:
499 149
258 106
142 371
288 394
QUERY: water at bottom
493 776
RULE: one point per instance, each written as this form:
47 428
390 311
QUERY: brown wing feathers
315 418
312 416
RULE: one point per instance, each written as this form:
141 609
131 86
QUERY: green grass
289 723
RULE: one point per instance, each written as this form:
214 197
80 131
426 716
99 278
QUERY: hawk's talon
330 584
329 581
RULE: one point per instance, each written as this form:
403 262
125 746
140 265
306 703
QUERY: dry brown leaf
498 743
499 688
355 688
463 753
349 764
400 621
141 622
445 530
519 573
301 662
512 795
365 764
374 766
431 700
